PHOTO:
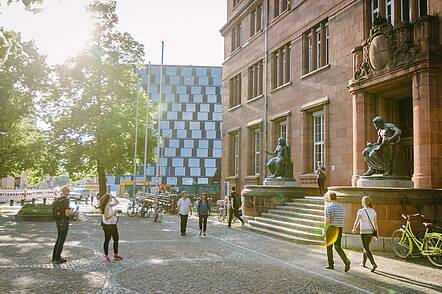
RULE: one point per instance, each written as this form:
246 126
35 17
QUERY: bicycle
132 208
158 214
403 241
222 213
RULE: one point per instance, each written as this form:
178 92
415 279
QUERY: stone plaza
159 260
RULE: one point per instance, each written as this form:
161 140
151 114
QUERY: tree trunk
101 180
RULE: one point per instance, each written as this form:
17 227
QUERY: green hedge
36 209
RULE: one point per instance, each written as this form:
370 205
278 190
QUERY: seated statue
280 164
379 156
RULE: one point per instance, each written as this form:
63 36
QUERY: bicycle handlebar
407 216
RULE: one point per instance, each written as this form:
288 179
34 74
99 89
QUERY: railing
18 195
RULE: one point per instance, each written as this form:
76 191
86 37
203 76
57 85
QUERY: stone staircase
300 220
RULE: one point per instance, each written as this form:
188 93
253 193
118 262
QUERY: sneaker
107 259
201 232
204 234
347 267
374 268
60 261
330 267
118 257
363 264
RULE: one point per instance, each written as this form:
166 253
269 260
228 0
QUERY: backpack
58 208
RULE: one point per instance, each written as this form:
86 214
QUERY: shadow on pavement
410 281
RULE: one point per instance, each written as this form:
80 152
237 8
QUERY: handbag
375 233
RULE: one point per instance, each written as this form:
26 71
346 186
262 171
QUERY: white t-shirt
184 206
365 226
112 220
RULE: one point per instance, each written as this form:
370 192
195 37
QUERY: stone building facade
317 73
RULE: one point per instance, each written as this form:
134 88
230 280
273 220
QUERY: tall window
256 20
255 80
236 37
236 163
279 6
374 9
318 138
389 11
422 7
281 66
257 148
310 52
235 91
283 130
316 47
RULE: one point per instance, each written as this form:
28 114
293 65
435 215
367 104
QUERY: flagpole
146 124
135 147
159 116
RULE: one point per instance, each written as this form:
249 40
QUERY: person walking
235 204
109 222
367 221
334 222
61 212
320 178
184 208
203 209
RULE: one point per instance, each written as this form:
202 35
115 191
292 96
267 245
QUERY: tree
93 105
23 78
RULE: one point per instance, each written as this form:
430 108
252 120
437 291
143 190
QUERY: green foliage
23 78
36 209
30 5
92 107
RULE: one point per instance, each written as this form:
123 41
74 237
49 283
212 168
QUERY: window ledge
254 36
275 19
315 71
280 87
255 98
234 107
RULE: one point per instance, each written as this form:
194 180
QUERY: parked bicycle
222 212
403 241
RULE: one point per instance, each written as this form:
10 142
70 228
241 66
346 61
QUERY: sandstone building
317 73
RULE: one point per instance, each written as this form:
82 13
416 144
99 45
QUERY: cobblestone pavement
159 260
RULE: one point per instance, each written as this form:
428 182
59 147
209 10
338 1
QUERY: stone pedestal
259 199
384 181
280 182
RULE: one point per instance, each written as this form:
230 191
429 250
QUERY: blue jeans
62 229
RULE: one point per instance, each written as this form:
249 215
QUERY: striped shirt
336 214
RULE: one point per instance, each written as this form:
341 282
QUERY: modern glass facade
191 120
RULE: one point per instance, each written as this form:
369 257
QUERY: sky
189 28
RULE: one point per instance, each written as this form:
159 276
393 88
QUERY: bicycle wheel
131 211
401 244
160 217
141 211
433 249
221 216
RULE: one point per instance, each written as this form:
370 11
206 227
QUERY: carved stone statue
379 156
280 165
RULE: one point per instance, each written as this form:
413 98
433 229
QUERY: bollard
44 200
22 202
11 202
33 201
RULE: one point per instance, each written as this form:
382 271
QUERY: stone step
305 205
301 209
297 214
302 221
290 225
283 236
287 231
310 200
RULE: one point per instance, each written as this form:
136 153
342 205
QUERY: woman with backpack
109 222
366 219
203 209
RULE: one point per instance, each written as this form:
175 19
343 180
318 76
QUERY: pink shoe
107 259
118 257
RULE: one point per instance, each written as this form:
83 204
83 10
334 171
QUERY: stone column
382 7
427 129
305 53
323 47
413 10
364 107
305 139
397 12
